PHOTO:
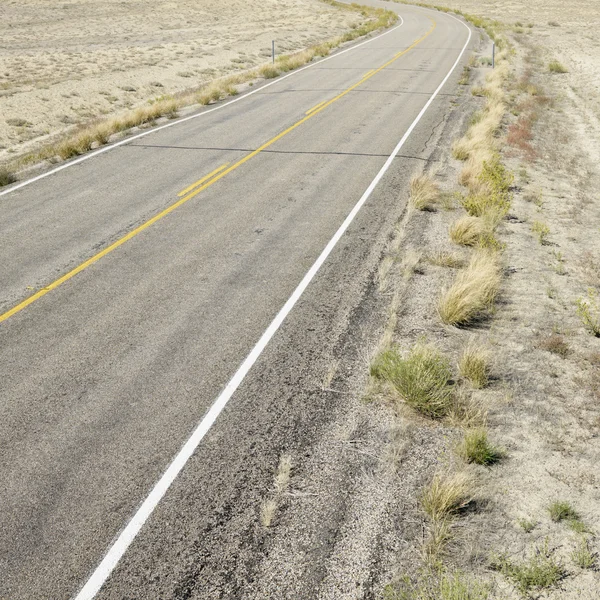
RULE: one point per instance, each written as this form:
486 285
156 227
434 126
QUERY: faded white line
119 547
95 153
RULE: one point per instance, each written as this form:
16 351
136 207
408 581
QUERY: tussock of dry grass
421 378
473 292
442 500
467 230
269 71
424 192
446 495
474 365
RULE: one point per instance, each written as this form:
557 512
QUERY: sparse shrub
555 67
433 585
582 556
474 365
527 525
473 292
476 448
553 24
556 344
6 177
541 231
577 525
560 511
424 192
588 310
422 378
541 571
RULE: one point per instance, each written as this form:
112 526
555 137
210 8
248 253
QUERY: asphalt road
104 378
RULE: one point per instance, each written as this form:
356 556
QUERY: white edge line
119 547
128 140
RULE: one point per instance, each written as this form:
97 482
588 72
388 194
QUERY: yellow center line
200 181
203 186
315 107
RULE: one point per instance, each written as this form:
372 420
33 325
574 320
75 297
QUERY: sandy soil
562 31
63 63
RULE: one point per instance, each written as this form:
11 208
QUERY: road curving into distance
134 284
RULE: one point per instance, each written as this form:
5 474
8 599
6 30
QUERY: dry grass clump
473 292
435 585
467 411
422 378
283 474
75 145
442 500
582 556
446 495
541 231
269 71
588 309
490 193
561 511
6 177
474 365
442 258
476 448
556 67
467 230
424 192
554 343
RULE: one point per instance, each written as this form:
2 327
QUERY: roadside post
273 50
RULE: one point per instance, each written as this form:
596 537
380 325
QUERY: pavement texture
103 378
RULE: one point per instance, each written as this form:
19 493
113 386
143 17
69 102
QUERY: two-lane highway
134 284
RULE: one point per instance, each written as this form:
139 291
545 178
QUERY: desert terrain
493 493
66 63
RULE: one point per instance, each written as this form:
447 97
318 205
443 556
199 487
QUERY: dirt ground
63 63
544 398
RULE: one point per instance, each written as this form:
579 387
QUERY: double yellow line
201 185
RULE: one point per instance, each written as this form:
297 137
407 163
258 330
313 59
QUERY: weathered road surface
104 378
